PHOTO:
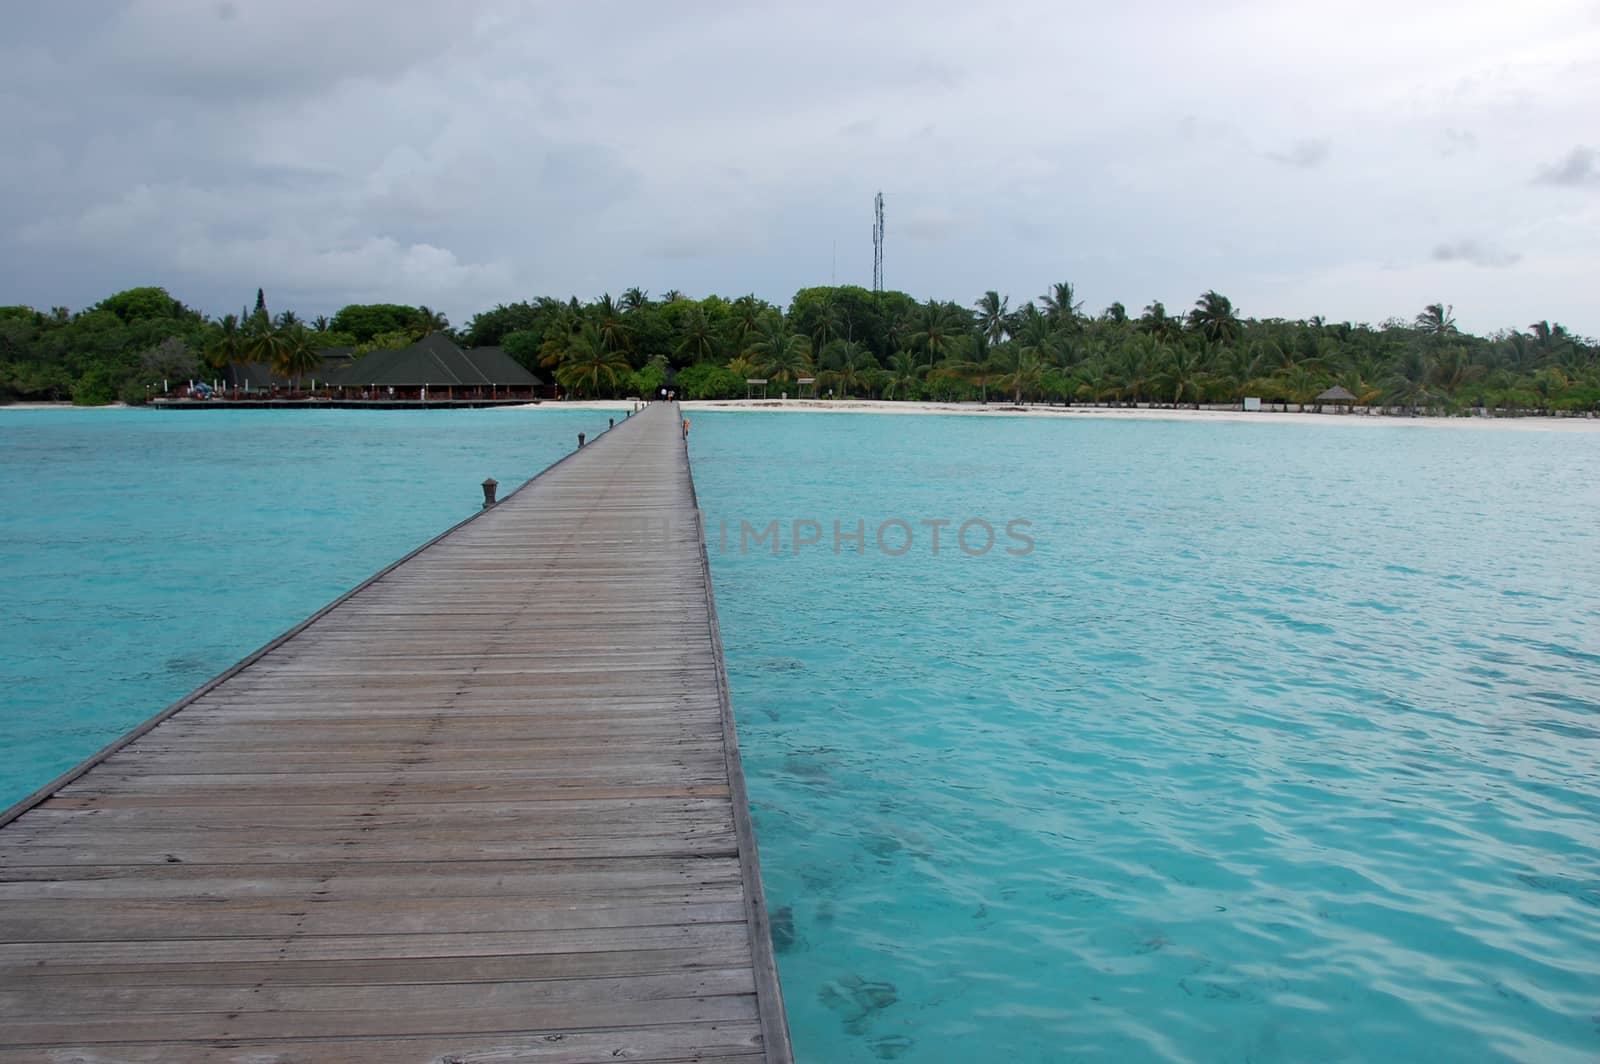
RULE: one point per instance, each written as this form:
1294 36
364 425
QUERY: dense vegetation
853 342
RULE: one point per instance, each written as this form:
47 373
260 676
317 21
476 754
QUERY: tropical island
842 341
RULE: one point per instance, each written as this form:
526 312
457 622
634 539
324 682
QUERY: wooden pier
488 807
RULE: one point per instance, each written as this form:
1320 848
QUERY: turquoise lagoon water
143 552
1282 744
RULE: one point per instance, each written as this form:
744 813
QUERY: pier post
490 486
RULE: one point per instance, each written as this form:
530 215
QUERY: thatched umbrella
1338 396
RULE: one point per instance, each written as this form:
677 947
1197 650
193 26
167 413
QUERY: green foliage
96 387
648 380
707 380
388 341
140 304
854 341
364 321
523 345
591 367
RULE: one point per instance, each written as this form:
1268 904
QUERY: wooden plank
727 1042
487 806
517 968
459 879
40 957
614 1005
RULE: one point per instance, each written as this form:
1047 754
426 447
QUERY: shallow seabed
1283 744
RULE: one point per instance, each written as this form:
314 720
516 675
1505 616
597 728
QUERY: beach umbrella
1338 396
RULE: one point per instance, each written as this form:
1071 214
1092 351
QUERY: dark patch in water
1587 892
783 929
805 768
883 847
857 1000
893 1047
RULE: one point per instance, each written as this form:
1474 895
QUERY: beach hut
1337 396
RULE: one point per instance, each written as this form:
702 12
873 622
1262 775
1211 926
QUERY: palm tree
1061 305
744 367
1184 373
981 369
1035 333
430 321
993 316
1134 364
745 317
782 355
1436 319
321 323
634 299
609 324
699 338
828 323
1022 371
1214 319
851 367
297 355
1093 380
589 361
1407 385
269 348
558 335
228 347
1451 368
934 328
1298 384
288 320
903 371
671 295
1158 323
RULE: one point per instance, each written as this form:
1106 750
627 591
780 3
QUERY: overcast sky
1355 160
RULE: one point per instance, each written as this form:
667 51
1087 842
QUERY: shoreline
1530 423
903 408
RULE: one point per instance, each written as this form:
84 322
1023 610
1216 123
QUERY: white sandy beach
1001 409
1004 409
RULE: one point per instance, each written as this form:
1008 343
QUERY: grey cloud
930 226
1581 166
1471 251
1456 142
498 149
1302 154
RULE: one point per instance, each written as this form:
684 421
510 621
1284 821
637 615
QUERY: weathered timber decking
486 808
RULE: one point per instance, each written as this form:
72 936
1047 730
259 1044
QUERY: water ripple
1244 762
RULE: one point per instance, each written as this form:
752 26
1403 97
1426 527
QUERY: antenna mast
877 243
